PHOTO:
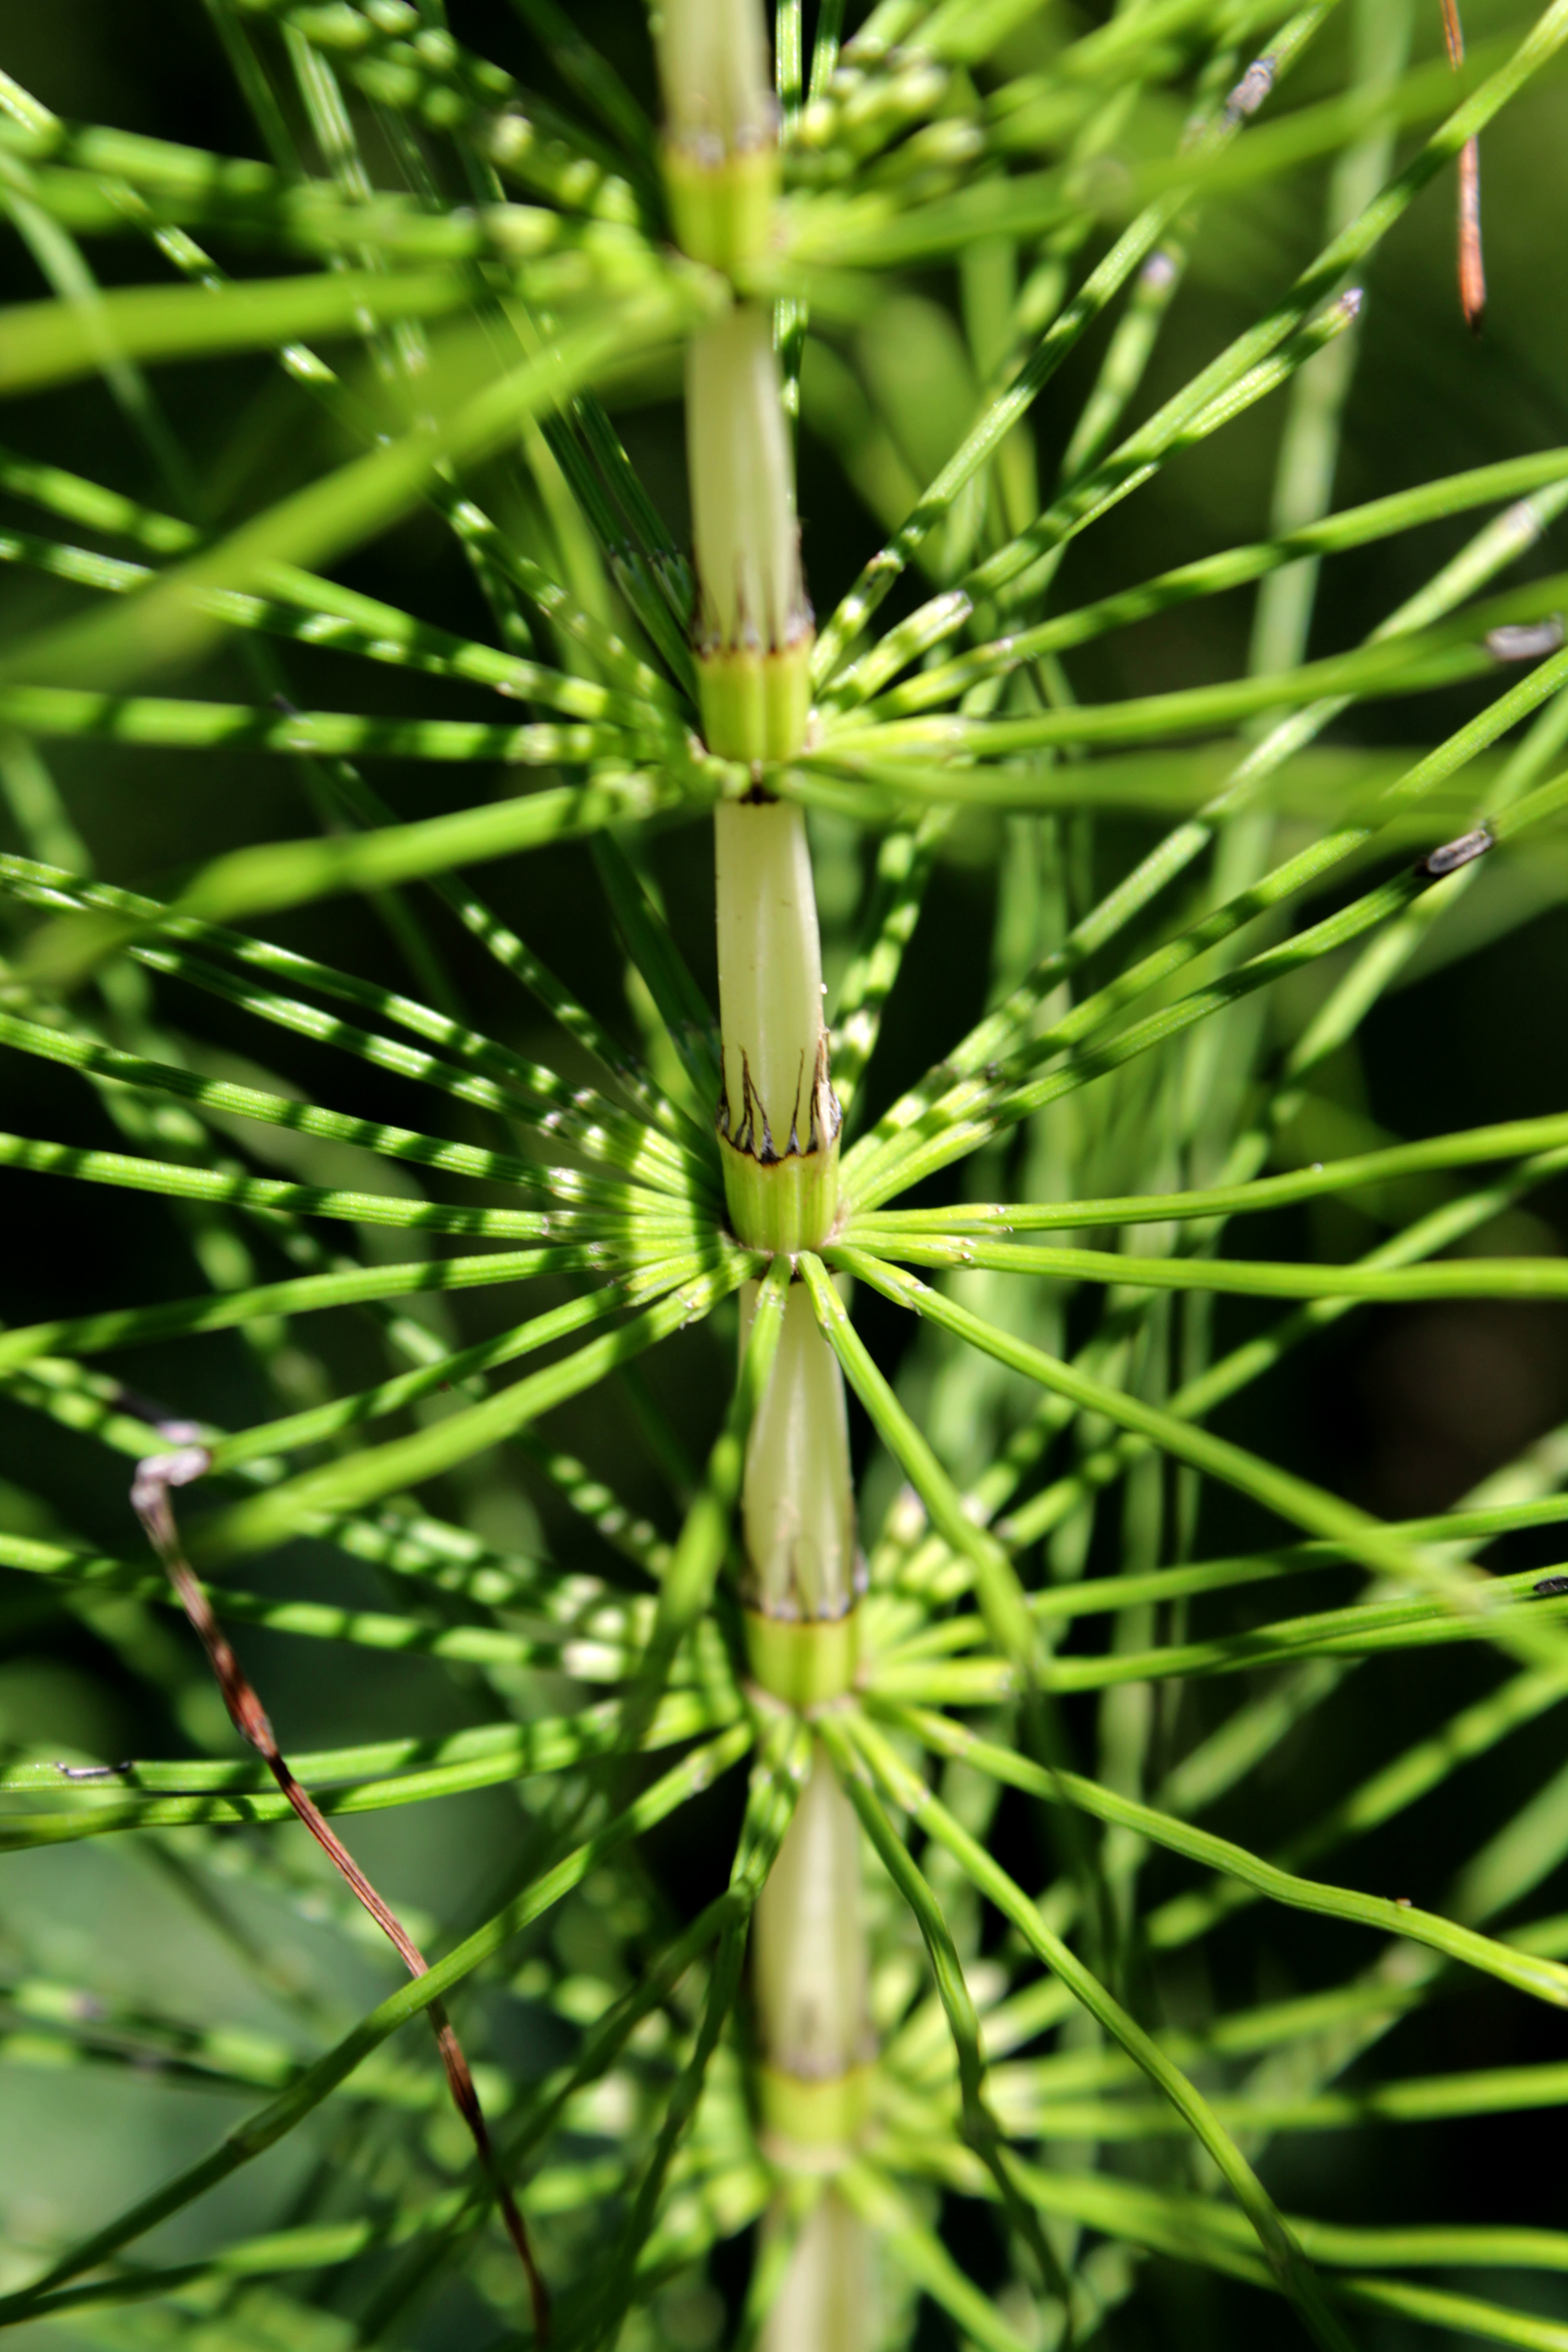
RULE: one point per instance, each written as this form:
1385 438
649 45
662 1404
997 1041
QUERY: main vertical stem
778 1122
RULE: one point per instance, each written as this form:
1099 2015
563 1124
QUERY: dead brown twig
1472 264
155 1478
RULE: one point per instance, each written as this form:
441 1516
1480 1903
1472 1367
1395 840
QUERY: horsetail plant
778 1125
867 1454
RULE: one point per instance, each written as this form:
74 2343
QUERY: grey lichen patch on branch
1250 92
1452 855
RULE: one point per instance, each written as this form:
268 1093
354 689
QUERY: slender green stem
1280 2251
271 2123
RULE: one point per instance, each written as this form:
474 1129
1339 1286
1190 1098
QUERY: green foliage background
155 1989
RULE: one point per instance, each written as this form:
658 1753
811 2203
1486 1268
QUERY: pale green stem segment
827 2300
778 1124
689 1580
979 2125
810 1974
719 150
809 1951
778 1120
798 1505
753 596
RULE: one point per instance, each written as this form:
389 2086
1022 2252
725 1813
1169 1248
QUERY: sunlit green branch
1001 1596
1499 542
687 1587
81 502
243 2064
1442 1229
1443 654
304 608
341 509
1192 2111
1316 283
79 176
492 554
486 1759
223 1096
578 1114
195 726
579 1626
398 1538
1101 1595
1500 2091
1544 1979
293 873
130 1172
1099 289
500 941
1359 1632
1200 2228
47 342
950 1129
654 953
350 1410
1292 1499
1513 1140
777 1772
658 1174
904 863
1212 576
979 2128
311 1293
273 2122
387 1469
434 79
777 1777
919 2251
1470 1277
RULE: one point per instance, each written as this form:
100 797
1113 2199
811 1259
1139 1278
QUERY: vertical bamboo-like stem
828 2293
778 1117
798 1509
778 1124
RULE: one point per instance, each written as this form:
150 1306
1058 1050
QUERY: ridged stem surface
778 1125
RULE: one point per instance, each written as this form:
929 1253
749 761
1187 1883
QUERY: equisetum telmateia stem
778 1122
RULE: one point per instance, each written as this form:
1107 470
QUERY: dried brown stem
1472 262
150 1493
